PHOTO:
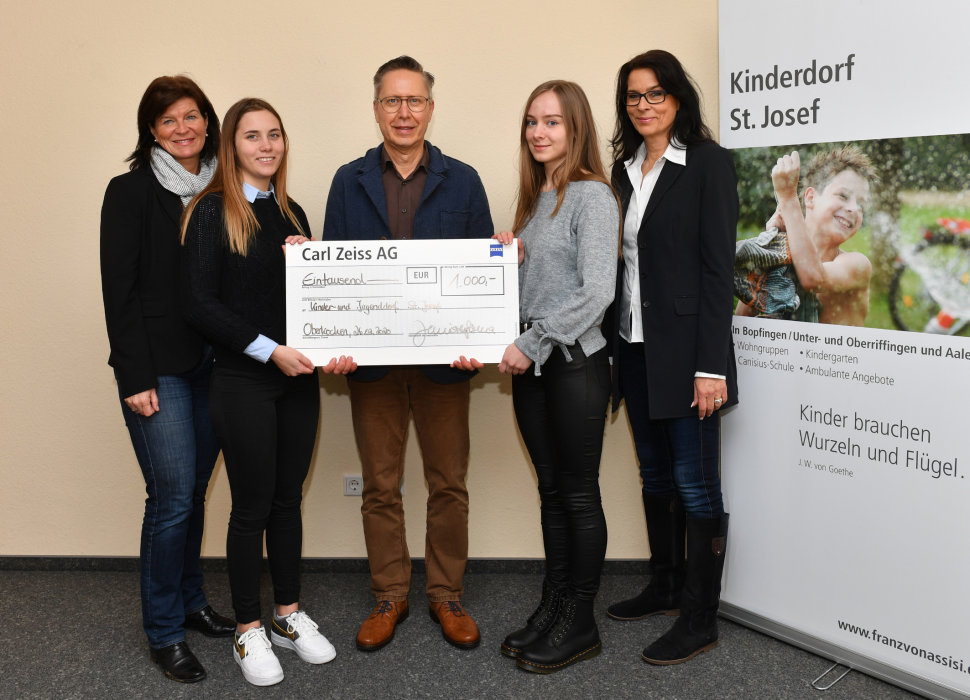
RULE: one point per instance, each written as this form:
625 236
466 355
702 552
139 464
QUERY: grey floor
77 634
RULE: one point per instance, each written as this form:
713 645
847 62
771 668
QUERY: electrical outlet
353 484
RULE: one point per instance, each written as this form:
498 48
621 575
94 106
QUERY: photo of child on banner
909 269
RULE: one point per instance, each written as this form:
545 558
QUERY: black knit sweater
231 298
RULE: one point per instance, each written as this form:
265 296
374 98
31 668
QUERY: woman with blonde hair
265 395
567 223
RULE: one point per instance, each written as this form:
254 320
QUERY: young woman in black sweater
265 396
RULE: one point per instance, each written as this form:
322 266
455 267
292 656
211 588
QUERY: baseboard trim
312 565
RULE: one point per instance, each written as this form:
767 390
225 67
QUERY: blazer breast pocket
454 224
151 306
685 306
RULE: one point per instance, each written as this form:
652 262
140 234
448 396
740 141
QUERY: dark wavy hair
161 94
688 126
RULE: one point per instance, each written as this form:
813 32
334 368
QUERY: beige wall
72 76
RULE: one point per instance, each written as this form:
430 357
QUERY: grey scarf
176 179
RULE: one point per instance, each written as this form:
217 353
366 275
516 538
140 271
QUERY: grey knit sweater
568 277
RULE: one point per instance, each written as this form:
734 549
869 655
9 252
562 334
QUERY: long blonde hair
240 225
582 162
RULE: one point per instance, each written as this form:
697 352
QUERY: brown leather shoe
457 626
378 629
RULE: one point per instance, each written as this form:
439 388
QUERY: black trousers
561 416
267 426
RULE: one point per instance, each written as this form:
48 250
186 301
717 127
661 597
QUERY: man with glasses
406 188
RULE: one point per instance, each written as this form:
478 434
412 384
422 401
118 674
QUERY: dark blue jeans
176 449
678 456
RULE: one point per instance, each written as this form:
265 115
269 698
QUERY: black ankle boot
540 622
665 531
696 629
574 637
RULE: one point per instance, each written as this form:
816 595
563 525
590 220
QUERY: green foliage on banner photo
755 194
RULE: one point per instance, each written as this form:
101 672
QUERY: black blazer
140 283
686 259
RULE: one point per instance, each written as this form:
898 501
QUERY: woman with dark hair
673 354
567 220
265 395
162 366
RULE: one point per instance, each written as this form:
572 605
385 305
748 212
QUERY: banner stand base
827 672
837 654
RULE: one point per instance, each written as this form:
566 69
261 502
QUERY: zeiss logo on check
495 250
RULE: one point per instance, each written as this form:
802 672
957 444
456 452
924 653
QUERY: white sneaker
254 654
300 634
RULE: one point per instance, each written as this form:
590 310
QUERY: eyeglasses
414 103
653 97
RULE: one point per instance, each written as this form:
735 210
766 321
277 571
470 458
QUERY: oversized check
402 302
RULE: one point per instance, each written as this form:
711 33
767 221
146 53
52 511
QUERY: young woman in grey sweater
567 224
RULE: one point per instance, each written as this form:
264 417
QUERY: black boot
540 622
665 530
696 629
574 637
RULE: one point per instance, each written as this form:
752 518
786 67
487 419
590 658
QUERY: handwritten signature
466 329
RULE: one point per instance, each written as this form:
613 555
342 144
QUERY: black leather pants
561 416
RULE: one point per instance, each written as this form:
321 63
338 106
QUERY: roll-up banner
846 466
